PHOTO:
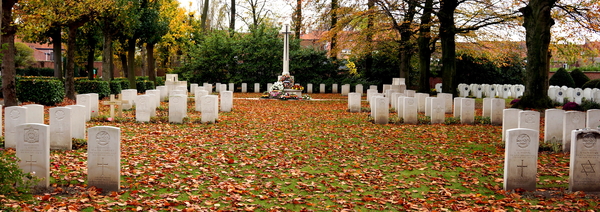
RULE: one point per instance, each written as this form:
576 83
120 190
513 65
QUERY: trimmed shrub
32 71
579 77
124 82
102 88
595 83
142 86
562 77
572 106
42 91
115 87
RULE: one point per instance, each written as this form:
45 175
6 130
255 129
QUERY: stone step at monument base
292 92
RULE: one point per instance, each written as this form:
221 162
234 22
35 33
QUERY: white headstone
529 119
584 164
244 87
77 121
510 120
410 110
560 96
256 87
33 151
198 100
14 116
447 100
218 87
421 101
321 88
428 105
226 101
553 127
104 158
35 113
345 89
85 100
592 120
129 95
177 108
359 88
409 93
223 88
467 111
438 87
498 105
487 107
334 88
382 110
231 87
457 104
577 95
520 159
354 102
573 120
210 108
400 106
60 128
94 102
438 110
143 108
193 87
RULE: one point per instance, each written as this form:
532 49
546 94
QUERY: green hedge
102 88
142 86
595 83
32 71
41 91
124 82
115 87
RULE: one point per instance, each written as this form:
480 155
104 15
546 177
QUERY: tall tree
333 13
154 24
204 16
425 46
232 17
297 18
447 38
9 89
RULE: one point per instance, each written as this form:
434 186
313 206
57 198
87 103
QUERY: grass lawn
269 155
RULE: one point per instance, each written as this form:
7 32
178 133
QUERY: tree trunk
130 62
537 23
70 69
297 18
232 20
424 49
406 46
334 20
9 88
124 65
143 57
151 62
369 37
90 63
447 33
57 52
204 16
107 57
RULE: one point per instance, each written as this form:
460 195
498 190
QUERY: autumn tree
538 19
154 25
425 46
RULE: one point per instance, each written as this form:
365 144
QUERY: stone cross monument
285 30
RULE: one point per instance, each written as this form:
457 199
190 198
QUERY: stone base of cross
115 102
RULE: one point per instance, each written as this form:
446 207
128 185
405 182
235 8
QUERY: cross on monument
118 102
102 164
30 162
521 166
285 30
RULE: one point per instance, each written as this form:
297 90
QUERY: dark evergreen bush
32 71
562 77
595 83
115 87
102 88
42 91
579 77
142 86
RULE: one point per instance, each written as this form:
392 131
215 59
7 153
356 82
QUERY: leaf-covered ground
269 155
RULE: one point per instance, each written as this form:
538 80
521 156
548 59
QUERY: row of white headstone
557 123
103 154
503 91
521 153
560 94
409 103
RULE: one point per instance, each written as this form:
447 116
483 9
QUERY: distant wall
591 75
